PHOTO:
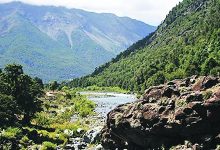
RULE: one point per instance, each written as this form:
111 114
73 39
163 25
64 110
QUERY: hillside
65 43
186 43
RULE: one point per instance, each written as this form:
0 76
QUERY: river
106 101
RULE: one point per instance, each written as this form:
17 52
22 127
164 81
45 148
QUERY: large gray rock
166 116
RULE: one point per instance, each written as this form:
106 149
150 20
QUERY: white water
106 101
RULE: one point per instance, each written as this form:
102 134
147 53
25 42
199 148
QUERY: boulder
167 116
205 82
92 135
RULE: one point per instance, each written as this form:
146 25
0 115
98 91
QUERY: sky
149 11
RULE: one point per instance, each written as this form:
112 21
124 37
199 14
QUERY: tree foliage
53 85
8 109
19 94
186 43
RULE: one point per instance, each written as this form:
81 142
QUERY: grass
48 146
11 133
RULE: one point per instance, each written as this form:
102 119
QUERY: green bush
84 107
25 141
42 119
48 146
11 133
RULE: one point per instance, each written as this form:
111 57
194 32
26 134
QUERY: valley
162 92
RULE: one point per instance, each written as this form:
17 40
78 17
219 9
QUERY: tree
215 71
8 109
209 64
28 98
23 90
39 82
156 79
53 85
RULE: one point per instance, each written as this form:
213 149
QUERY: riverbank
105 102
69 119
51 127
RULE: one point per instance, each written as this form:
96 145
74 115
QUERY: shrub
42 119
84 107
25 141
11 133
207 95
48 146
68 126
181 103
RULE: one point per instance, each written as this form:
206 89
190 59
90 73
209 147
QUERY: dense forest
186 43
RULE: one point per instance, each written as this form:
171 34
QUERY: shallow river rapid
106 101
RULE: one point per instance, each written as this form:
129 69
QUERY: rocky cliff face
167 116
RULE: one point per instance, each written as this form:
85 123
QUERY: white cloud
149 11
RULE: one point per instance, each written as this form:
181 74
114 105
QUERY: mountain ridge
90 39
186 43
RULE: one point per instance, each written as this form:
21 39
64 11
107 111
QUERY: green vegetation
53 85
207 95
31 118
101 89
181 103
186 43
19 95
48 146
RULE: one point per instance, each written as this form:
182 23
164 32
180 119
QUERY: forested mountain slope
186 43
56 43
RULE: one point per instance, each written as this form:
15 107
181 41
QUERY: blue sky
149 11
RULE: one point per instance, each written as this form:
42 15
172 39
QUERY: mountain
56 43
186 43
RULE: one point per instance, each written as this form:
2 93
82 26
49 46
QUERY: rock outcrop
168 116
